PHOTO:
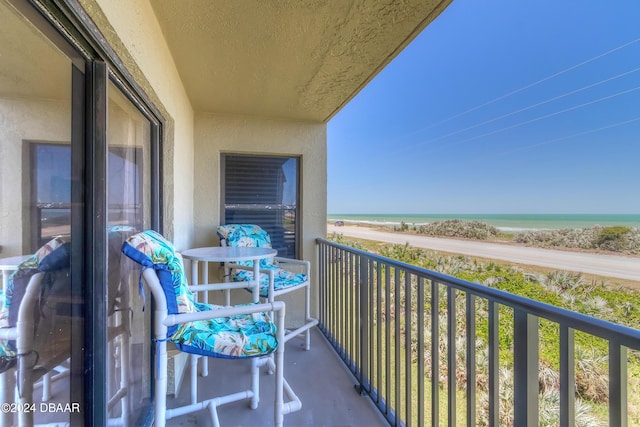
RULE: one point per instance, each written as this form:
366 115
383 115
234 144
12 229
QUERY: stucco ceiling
291 59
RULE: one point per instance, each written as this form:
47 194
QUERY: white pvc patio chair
36 323
276 279
206 330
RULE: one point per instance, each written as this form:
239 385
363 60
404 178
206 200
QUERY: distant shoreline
509 223
588 239
606 265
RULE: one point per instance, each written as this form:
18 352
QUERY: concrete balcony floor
318 377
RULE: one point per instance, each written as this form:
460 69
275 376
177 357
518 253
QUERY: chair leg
46 387
255 383
293 402
193 365
213 411
279 402
7 395
25 389
279 376
124 378
161 384
307 313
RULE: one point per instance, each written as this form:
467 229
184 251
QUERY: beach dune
604 265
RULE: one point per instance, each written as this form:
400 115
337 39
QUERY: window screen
263 190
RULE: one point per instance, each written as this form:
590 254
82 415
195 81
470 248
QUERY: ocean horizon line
504 222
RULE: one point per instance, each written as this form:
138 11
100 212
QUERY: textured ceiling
291 59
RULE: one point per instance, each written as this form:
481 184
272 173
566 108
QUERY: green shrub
457 228
402 227
612 236
616 239
340 239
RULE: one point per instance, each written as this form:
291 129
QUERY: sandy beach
604 265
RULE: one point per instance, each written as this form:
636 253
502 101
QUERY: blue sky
499 106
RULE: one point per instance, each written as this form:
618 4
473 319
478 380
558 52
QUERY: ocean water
505 222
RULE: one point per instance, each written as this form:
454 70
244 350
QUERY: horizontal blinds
254 180
255 193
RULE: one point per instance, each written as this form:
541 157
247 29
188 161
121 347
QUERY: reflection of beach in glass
53 172
35 203
52 213
125 186
128 201
54 222
290 185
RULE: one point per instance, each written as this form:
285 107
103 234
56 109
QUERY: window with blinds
263 190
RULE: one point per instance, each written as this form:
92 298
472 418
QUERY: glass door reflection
129 207
41 317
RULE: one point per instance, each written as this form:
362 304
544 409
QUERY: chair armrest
176 319
235 266
9 333
301 262
217 286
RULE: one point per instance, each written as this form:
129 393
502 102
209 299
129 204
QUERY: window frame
267 207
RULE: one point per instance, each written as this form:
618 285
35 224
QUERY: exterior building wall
193 142
216 134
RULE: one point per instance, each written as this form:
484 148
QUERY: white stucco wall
216 134
192 190
137 29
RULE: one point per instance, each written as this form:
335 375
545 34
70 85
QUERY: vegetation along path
613 266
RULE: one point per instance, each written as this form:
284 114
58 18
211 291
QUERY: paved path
617 266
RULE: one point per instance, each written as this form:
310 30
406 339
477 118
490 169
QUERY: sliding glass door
128 212
41 316
79 173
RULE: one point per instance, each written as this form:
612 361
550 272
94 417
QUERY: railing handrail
621 335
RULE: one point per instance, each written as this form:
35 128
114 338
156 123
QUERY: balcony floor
318 377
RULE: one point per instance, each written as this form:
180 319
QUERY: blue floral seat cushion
250 235
8 356
282 279
54 255
239 336
7 351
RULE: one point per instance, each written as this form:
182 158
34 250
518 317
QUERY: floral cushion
20 278
53 256
8 356
282 279
150 249
247 335
227 337
250 235
246 235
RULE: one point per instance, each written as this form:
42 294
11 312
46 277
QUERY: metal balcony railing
382 315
